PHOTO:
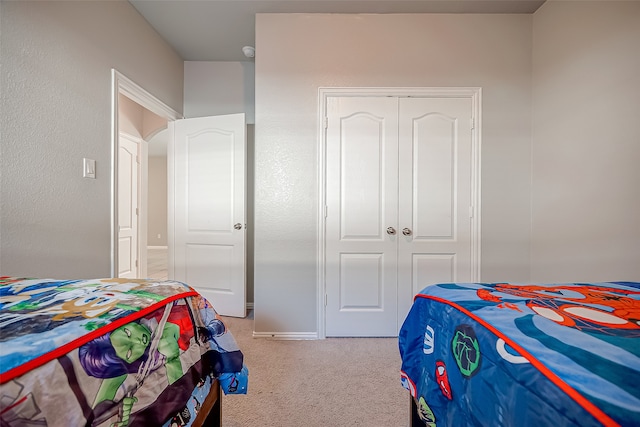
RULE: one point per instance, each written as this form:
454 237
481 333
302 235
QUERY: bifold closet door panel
434 198
362 204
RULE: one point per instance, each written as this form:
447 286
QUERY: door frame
474 93
122 85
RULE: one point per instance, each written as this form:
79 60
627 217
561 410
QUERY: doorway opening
157 116
157 226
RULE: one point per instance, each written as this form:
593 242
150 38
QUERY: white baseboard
286 335
157 247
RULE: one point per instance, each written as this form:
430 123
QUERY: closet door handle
406 232
391 231
238 226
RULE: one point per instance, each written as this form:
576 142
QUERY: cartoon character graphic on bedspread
122 373
30 308
586 333
598 309
18 407
137 348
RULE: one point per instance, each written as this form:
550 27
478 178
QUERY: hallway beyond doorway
157 263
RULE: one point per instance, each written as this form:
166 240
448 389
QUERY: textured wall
157 201
586 142
217 88
56 109
301 52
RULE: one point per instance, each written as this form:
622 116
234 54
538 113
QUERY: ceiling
216 30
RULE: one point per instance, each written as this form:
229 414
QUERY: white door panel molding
399 179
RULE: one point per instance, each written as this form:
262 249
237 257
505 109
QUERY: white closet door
362 182
434 243
399 206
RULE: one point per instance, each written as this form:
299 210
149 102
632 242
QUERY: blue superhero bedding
110 352
479 354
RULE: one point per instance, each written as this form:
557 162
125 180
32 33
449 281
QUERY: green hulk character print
129 350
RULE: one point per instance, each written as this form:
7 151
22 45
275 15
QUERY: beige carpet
333 382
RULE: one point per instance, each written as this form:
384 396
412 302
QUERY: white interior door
435 208
398 194
128 206
362 204
207 208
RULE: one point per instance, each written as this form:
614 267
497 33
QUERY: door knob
391 231
406 232
237 226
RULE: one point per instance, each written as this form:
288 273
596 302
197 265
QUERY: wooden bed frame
210 414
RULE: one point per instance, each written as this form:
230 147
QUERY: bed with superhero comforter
479 354
113 352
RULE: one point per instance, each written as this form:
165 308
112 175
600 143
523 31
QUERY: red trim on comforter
588 406
72 345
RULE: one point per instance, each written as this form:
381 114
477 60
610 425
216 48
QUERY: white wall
56 109
216 88
157 225
297 53
586 142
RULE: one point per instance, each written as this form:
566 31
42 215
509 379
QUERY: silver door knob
237 226
406 232
391 231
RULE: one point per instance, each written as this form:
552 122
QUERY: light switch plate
88 168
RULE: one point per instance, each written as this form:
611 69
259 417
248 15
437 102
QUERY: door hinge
473 123
136 211
326 122
325 300
471 211
326 211
136 263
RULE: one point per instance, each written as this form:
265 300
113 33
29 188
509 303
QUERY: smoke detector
249 51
